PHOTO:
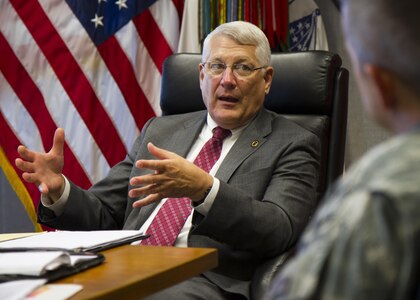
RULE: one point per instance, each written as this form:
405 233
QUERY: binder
70 243
63 270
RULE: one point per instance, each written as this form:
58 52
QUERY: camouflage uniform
364 243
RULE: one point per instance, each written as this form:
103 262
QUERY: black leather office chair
310 88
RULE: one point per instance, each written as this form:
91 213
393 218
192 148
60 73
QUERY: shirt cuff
58 206
206 205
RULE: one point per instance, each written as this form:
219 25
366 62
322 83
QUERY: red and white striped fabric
53 74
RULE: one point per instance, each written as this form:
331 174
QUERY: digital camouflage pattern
364 241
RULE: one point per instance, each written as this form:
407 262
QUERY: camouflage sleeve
374 257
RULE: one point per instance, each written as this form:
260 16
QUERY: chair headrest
301 84
180 88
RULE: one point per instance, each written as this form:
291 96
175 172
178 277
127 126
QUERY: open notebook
49 265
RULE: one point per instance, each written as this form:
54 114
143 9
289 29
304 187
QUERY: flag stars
97 21
99 1
121 4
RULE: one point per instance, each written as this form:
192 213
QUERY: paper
75 259
32 263
75 240
54 292
19 289
12 236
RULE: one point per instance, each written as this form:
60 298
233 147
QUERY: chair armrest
266 272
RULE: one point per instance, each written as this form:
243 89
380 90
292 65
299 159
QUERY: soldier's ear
385 84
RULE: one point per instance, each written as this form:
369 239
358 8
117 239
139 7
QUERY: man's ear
201 74
384 83
268 77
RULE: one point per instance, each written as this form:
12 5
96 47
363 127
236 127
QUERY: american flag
92 67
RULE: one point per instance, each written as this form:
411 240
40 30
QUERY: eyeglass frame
252 70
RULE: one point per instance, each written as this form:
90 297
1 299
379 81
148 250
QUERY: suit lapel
182 140
138 216
253 137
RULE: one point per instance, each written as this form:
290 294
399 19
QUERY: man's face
232 101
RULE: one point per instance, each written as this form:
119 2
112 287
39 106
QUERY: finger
30 177
145 190
147 200
25 153
155 165
58 144
24 165
147 179
159 152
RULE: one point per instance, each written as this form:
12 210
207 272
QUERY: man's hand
172 176
44 169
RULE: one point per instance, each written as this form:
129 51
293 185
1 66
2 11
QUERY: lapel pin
255 143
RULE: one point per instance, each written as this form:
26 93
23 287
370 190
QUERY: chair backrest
310 88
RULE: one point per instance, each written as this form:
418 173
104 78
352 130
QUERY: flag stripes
152 38
122 71
55 98
89 59
146 74
53 75
28 109
72 79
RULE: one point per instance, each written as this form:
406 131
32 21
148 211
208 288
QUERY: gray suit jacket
266 196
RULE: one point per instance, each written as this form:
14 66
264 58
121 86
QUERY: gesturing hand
44 169
172 176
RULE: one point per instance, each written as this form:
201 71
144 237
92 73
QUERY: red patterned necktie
171 217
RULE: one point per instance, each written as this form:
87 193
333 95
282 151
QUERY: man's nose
228 78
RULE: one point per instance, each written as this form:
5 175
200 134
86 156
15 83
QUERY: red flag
90 67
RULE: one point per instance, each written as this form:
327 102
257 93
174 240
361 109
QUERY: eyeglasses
239 70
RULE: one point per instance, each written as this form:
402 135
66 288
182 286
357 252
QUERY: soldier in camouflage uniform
364 241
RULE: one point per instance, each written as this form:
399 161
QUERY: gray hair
243 33
386 33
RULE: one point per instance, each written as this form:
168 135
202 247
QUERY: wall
362 133
13 217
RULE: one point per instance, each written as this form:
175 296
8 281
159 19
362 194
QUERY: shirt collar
211 124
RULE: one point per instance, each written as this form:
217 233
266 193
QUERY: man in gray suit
252 205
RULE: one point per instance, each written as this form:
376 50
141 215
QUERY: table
133 272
